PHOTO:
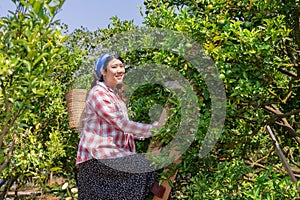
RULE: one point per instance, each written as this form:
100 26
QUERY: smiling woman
106 159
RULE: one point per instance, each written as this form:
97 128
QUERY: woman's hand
157 125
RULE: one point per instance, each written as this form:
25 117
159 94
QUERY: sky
91 14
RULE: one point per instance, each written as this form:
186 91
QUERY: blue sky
92 14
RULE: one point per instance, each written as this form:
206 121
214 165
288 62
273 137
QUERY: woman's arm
105 107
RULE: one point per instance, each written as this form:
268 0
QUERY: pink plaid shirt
107 131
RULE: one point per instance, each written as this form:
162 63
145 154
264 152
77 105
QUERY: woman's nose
121 69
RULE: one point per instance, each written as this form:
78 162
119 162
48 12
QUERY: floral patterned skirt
115 179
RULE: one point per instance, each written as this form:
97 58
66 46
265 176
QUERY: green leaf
38 59
37 6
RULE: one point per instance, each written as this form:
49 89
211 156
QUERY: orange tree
255 46
36 67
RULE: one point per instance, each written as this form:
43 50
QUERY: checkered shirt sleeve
107 131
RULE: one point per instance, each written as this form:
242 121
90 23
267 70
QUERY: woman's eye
115 66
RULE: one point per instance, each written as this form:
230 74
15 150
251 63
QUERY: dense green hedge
36 70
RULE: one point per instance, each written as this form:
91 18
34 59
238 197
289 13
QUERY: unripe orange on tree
209 6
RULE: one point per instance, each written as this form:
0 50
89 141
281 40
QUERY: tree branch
287 72
280 115
286 165
289 129
297 27
9 154
7 127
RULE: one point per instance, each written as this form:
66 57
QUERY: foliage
254 45
36 68
255 52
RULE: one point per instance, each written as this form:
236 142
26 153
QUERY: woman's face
114 74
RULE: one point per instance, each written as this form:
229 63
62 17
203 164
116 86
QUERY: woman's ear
103 72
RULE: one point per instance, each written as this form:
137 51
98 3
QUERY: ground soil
31 195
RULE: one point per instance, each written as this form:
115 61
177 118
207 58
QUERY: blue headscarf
99 63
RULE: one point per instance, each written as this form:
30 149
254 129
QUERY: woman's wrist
157 125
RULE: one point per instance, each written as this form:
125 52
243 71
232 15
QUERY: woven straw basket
76 107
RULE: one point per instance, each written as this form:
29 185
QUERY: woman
107 139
